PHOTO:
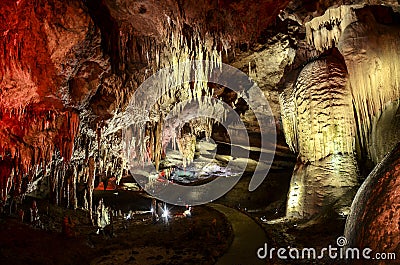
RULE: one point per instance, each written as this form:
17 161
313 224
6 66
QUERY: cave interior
193 132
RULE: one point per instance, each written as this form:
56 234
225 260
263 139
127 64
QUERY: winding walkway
248 238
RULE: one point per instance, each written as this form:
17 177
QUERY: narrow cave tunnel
200 132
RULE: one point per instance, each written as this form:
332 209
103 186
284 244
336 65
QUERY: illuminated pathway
248 237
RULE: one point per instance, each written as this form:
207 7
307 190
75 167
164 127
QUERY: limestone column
318 121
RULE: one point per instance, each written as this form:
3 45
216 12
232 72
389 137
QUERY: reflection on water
192 174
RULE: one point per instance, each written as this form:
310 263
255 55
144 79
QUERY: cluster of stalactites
177 50
175 93
104 148
325 31
374 79
373 68
69 184
29 142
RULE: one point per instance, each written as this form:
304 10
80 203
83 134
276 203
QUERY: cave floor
200 239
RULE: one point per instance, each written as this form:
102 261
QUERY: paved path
248 238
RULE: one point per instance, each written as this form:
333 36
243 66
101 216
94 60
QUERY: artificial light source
165 213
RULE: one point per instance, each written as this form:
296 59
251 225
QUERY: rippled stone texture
318 122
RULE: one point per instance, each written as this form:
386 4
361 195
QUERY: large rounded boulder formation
374 220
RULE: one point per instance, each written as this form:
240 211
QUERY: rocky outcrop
375 216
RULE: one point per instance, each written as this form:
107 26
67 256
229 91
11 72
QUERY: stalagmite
187 145
90 181
317 117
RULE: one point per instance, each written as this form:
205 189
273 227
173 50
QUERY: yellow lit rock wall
334 102
320 126
372 55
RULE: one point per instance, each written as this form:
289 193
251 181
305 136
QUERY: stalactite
32 151
373 69
289 120
91 179
176 49
325 31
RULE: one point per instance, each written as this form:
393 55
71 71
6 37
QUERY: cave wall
42 45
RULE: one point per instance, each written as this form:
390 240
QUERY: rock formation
374 219
330 111
69 70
